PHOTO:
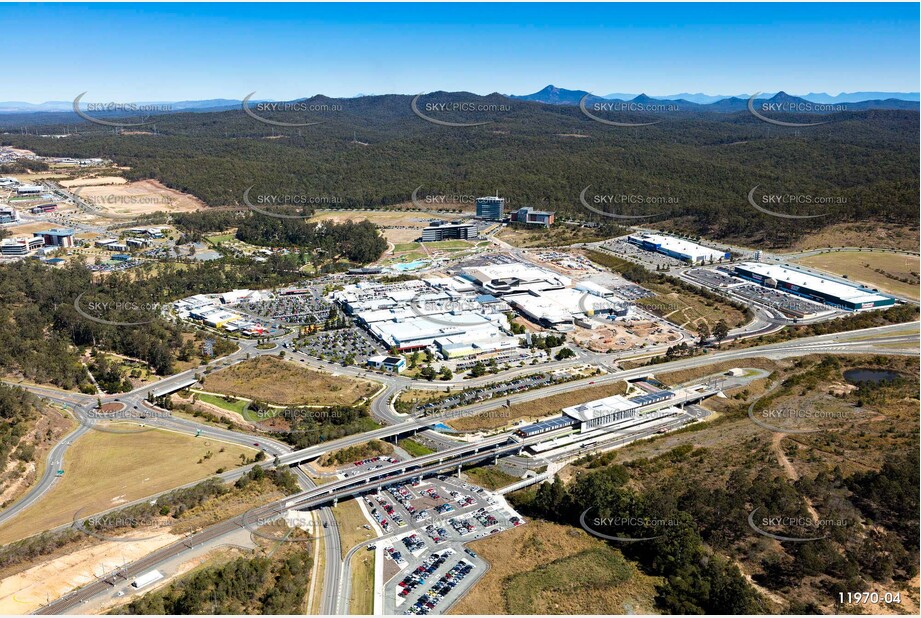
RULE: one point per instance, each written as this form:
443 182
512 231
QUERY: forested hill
374 151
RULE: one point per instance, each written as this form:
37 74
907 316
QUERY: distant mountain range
702 102
209 105
815 97
561 96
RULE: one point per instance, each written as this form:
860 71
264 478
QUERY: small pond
859 376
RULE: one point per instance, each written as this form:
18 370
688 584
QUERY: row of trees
18 411
359 242
244 586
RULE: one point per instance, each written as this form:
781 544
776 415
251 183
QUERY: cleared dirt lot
899 272
281 382
623 336
25 592
89 181
136 198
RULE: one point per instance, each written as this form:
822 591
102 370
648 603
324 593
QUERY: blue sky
142 52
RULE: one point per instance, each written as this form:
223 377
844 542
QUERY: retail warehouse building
813 287
679 249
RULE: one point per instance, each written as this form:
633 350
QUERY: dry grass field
103 470
273 380
351 525
899 272
687 309
876 235
546 568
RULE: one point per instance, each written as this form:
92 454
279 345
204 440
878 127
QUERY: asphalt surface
81 405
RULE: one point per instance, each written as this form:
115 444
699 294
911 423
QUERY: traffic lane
54 462
716 357
152 560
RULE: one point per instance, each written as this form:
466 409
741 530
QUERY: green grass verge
490 477
220 238
414 448
234 405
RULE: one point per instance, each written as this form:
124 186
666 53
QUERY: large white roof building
827 291
677 248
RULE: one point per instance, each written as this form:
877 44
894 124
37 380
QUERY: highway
859 342
308 499
849 342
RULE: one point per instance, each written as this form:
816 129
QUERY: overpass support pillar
335 501
495 460
459 470
520 448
